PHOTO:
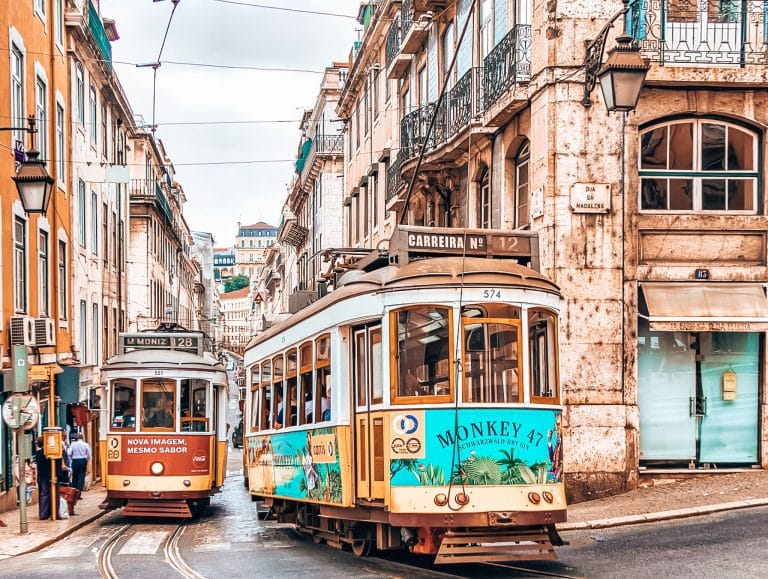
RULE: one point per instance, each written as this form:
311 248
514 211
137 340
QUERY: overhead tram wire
284 9
155 65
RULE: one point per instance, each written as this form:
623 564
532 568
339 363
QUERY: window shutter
500 21
464 58
432 81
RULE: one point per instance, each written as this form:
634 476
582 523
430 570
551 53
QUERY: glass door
369 422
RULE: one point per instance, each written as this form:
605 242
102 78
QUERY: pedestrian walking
80 455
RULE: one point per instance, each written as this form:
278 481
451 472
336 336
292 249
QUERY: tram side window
307 395
255 381
158 407
542 333
123 404
194 405
422 352
492 364
291 384
278 391
323 375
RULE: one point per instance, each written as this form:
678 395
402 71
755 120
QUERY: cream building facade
652 223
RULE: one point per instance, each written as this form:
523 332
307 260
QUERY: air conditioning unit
22 331
45 332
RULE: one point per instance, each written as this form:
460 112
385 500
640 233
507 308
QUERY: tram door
369 420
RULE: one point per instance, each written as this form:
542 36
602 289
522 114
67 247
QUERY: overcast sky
229 33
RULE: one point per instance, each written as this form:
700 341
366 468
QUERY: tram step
481 546
140 508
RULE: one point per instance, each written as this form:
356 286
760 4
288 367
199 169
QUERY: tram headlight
187 483
156 468
535 498
126 482
462 499
548 496
441 499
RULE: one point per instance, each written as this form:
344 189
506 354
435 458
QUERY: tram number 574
491 294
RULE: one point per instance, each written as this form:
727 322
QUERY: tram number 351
491 294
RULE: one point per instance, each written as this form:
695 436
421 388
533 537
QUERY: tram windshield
194 405
423 352
158 404
123 404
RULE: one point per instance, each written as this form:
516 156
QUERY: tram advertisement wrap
181 455
300 465
482 447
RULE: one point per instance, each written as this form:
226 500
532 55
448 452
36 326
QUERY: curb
87 519
661 515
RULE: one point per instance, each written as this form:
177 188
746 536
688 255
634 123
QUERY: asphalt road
228 540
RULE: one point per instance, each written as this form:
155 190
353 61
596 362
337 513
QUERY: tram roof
163 359
433 272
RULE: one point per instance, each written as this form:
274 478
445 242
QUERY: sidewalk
662 496
43 533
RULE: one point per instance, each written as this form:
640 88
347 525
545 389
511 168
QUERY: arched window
522 187
692 165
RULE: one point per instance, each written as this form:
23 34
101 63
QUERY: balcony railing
394 39
463 102
329 144
406 16
696 32
508 63
394 179
96 28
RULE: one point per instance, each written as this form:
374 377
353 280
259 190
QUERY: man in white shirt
79 454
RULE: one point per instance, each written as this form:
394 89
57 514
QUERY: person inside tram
325 404
129 414
278 420
163 418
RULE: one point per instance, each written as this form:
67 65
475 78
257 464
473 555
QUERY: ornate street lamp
33 182
622 76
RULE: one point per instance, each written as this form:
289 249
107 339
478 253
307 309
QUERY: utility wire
284 9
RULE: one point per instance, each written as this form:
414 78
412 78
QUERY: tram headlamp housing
547 496
126 483
441 499
157 468
187 483
535 498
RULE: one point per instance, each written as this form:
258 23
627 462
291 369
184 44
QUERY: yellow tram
418 404
164 446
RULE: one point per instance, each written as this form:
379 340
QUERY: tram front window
158 405
491 362
423 352
123 405
194 405
542 336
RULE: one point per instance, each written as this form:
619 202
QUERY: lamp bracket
594 56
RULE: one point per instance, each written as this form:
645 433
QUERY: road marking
208 547
71 547
144 543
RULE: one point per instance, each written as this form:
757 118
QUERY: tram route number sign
184 342
469 244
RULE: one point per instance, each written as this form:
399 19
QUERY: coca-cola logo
199 458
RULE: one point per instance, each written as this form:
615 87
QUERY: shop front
700 355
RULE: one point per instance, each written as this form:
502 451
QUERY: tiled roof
259 225
233 295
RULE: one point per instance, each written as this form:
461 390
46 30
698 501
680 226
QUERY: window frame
394 374
17 69
697 175
41 116
43 273
549 400
62 273
20 235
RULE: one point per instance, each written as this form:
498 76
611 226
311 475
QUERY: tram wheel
317 539
362 548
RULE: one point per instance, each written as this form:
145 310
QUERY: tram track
171 554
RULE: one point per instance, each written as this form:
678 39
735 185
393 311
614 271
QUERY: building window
80 93
40 8
81 210
448 54
104 131
41 108
522 186
62 280
58 21
376 83
60 144
94 223
484 204
358 129
42 274
17 92
105 344
83 332
698 165
92 120
20 264
105 233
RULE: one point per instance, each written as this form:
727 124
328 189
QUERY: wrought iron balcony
461 104
413 130
394 179
96 28
728 32
507 64
394 39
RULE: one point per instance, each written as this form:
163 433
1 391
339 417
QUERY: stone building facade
652 223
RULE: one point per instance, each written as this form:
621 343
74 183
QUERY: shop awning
704 307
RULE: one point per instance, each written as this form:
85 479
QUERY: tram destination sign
444 241
186 342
